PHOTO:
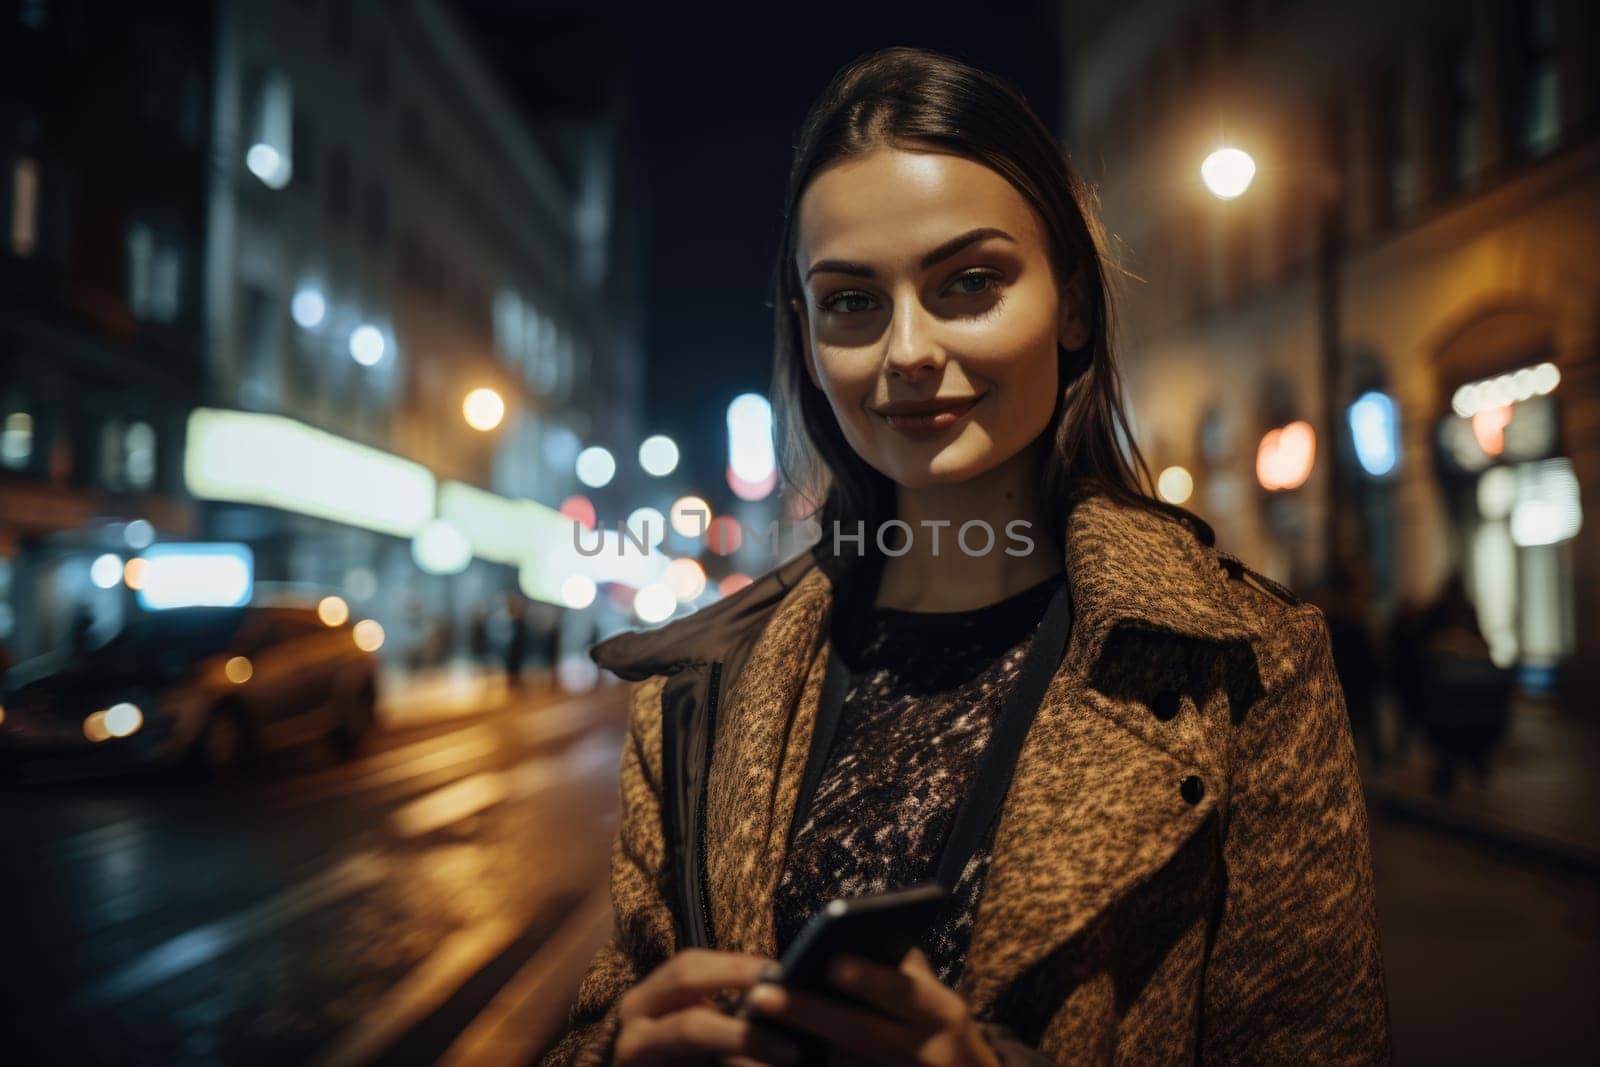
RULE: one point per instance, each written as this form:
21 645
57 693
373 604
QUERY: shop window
1516 502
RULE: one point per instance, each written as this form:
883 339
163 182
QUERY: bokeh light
724 535
733 583
366 345
577 591
580 509
333 611
368 635
106 571
686 578
483 409
239 670
1285 456
308 307
595 467
654 603
647 526
658 455
1175 485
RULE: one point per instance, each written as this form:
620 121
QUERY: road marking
205 943
530 1009
423 991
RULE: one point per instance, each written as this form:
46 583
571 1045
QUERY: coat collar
1125 564
1094 805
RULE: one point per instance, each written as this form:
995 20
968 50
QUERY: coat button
1165 704
1192 789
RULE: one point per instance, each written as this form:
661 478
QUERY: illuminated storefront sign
179 575
250 458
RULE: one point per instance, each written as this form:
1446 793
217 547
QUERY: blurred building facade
1411 273
104 150
327 212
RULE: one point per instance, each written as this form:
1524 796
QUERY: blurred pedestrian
516 641
1345 597
552 650
1458 695
478 635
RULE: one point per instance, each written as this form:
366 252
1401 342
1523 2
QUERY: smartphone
881 927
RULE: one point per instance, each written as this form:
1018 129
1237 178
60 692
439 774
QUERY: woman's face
927 277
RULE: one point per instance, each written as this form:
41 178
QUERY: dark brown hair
919 99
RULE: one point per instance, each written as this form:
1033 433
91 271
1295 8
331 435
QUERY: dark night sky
716 105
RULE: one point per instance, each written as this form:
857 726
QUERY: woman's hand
923 1021
671 1017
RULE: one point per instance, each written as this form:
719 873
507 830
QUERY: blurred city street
365 363
319 912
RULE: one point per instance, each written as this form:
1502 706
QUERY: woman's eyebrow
943 252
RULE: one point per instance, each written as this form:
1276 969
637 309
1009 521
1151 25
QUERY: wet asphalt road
313 912
435 899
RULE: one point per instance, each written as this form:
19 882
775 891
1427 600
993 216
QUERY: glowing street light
483 409
1227 172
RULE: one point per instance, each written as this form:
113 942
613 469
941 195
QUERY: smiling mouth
932 422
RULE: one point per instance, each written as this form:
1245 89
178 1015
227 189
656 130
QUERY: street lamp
1227 172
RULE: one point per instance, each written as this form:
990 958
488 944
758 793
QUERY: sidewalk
1541 798
437 694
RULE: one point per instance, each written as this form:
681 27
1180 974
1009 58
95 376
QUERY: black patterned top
925 690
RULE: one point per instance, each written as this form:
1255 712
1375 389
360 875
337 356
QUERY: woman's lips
934 423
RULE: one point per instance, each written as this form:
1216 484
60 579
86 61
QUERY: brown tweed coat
1181 871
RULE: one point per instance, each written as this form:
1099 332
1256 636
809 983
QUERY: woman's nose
912 347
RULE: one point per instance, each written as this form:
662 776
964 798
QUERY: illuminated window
16 440
1398 195
154 275
139 455
25 206
1539 88
269 129
1465 116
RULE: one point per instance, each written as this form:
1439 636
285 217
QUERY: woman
1178 868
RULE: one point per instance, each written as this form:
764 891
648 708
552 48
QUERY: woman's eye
975 283
848 303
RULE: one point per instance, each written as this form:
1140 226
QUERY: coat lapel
1095 804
